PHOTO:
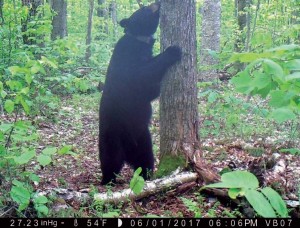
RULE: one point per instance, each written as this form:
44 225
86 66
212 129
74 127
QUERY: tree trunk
178 101
243 19
254 22
59 21
1 12
296 18
101 10
210 38
32 12
248 24
241 15
103 13
89 31
113 12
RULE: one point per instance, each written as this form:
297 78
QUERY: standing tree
114 17
296 19
32 6
210 38
102 12
89 31
178 100
243 18
1 12
59 21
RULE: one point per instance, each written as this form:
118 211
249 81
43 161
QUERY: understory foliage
261 101
274 75
265 201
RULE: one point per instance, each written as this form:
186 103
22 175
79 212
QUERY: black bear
132 82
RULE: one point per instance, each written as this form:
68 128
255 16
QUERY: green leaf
293 76
2 151
49 150
240 179
3 94
34 69
22 124
212 97
40 200
15 69
21 196
242 82
18 183
1 136
28 78
235 192
5 127
245 57
25 106
291 150
293 65
286 48
280 98
263 92
25 90
261 80
14 85
137 182
236 179
42 209
9 106
276 201
260 204
137 172
66 149
274 69
34 177
25 157
48 62
282 114
44 159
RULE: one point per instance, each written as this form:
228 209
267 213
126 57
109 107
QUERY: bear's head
143 22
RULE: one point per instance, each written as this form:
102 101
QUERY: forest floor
76 124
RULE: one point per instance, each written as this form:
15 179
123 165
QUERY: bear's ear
124 23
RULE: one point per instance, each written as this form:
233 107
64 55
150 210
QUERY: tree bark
178 100
59 21
89 31
210 38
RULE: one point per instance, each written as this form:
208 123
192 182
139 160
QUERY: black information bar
148 222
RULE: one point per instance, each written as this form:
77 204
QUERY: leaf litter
80 170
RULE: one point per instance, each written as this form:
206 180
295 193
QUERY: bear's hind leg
112 159
143 155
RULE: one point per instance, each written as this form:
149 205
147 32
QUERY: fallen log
150 188
176 180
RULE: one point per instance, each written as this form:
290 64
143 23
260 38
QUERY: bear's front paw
174 52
